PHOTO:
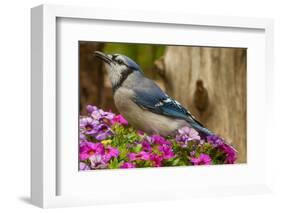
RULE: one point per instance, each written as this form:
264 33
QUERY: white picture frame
45 157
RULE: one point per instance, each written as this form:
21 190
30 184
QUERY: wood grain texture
211 83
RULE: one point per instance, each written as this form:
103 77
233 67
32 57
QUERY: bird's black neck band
124 76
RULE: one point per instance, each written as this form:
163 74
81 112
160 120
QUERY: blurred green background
144 54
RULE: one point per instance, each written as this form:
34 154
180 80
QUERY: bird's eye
119 61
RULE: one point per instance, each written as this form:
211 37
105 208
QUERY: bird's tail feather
202 130
204 133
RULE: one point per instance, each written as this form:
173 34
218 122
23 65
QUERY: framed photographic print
147 106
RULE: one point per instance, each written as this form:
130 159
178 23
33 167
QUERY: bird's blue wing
151 97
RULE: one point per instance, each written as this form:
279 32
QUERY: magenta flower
157 139
83 166
230 153
88 149
203 159
109 153
127 165
186 134
97 162
138 156
119 119
146 146
156 160
167 152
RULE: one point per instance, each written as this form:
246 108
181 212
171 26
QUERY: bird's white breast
143 119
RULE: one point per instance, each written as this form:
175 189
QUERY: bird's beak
104 57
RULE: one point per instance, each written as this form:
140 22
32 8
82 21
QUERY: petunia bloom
88 125
166 151
156 160
101 115
87 149
91 108
138 156
127 165
146 146
83 166
230 153
82 137
119 119
215 140
103 132
187 134
157 139
203 159
110 152
97 162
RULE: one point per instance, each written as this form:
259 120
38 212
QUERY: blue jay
142 102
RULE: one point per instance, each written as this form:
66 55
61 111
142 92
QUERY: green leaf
114 164
175 161
137 148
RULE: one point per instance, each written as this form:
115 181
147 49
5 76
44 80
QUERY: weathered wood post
211 82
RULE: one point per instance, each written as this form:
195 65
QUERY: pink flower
119 119
156 160
138 156
127 165
109 153
230 153
203 159
97 162
87 149
146 146
187 134
157 139
83 166
167 152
